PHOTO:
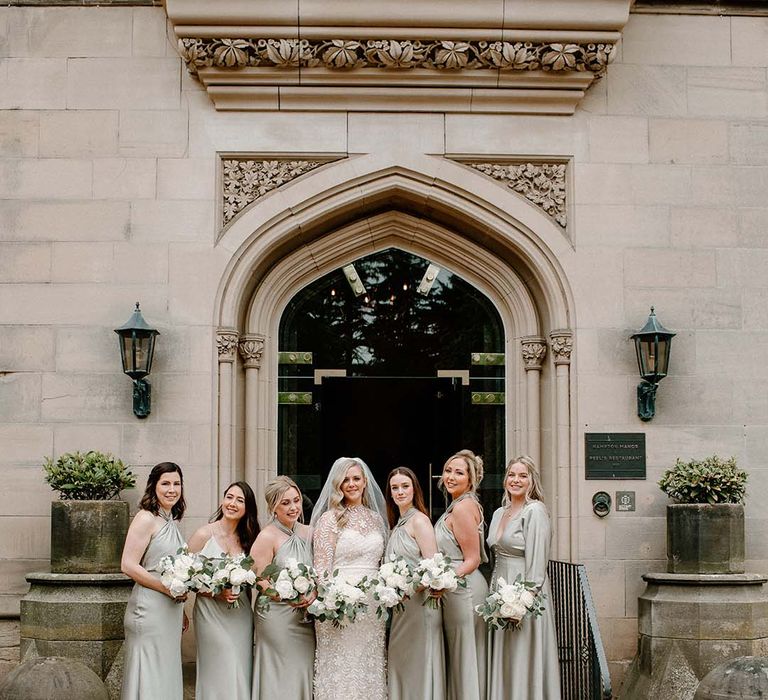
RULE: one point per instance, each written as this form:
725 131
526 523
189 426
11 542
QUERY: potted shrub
705 524
88 524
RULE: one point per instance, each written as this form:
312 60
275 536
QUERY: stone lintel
667 579
50 579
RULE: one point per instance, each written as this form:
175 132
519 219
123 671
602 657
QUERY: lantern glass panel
136 351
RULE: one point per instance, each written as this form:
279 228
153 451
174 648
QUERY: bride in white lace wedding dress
349 536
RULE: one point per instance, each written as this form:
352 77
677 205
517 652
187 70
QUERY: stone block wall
108 177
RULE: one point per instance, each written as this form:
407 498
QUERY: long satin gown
350 660
416 655
522 663
284 648
153 629
224 640
465 631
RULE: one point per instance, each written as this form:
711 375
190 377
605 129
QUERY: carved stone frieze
543 184
346 54
561 343
226 344
244 180
533 351
251 350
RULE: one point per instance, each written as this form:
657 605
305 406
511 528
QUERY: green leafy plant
89 476
710 480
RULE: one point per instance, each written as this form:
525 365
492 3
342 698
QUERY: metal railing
583 666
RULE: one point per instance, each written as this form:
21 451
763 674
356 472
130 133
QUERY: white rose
220 576
250 577
285 589
387 569
238 577
302 584
177 587
527 598
388 596
512 611
293 566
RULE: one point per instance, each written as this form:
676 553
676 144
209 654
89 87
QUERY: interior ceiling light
428 280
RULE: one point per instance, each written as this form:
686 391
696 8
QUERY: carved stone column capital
251 349
533 350
226 344
561 342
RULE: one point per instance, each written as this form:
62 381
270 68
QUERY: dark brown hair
393 512
248 527
149 499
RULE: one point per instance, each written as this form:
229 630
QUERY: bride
349 536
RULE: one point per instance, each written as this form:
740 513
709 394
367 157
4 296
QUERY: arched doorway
485 236
396 360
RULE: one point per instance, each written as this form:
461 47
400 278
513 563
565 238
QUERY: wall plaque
625 501
614 455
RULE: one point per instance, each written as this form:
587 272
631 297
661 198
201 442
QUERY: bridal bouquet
392 586
289 585
508 603
181 573
339 600
233 572
436 575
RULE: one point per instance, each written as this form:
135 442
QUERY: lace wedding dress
350 660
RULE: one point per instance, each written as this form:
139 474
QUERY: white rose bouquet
339 600
293 584
180 572
392 586
233 572
437 575
509 603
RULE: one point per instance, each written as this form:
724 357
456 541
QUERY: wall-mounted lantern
652 345
137 347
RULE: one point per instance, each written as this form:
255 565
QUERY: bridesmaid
523 662
416 654
284 652
225 635
154 619
460 536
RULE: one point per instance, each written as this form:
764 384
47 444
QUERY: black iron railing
583 666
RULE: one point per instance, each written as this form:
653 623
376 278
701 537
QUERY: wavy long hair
393 511
275 490
149 499
248 527
535 492
336 500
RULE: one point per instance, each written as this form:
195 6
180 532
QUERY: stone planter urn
704 538
87 536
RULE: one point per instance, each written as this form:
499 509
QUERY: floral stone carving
344 54
543 184
247 179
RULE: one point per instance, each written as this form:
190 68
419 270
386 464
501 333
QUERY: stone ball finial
52 678
745 678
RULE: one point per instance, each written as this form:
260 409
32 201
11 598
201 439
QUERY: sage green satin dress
465 631
152 625
522 663
416 655
284 646
224 643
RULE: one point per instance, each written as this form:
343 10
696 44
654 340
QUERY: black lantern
652 345
137 347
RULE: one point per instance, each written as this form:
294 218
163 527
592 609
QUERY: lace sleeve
324 543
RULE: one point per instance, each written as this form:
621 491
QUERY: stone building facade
574 165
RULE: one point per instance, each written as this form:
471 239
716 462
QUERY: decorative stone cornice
533 350
434 55
561 342
226 344
541 183
246 178
251 349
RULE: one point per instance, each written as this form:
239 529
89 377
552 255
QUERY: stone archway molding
317 226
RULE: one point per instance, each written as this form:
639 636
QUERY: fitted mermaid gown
224 640
284 646
465 631
416 656
152 625
522 663
350 660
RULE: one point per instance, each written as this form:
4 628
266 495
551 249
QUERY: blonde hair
474 469
535 491
336 500
275 490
